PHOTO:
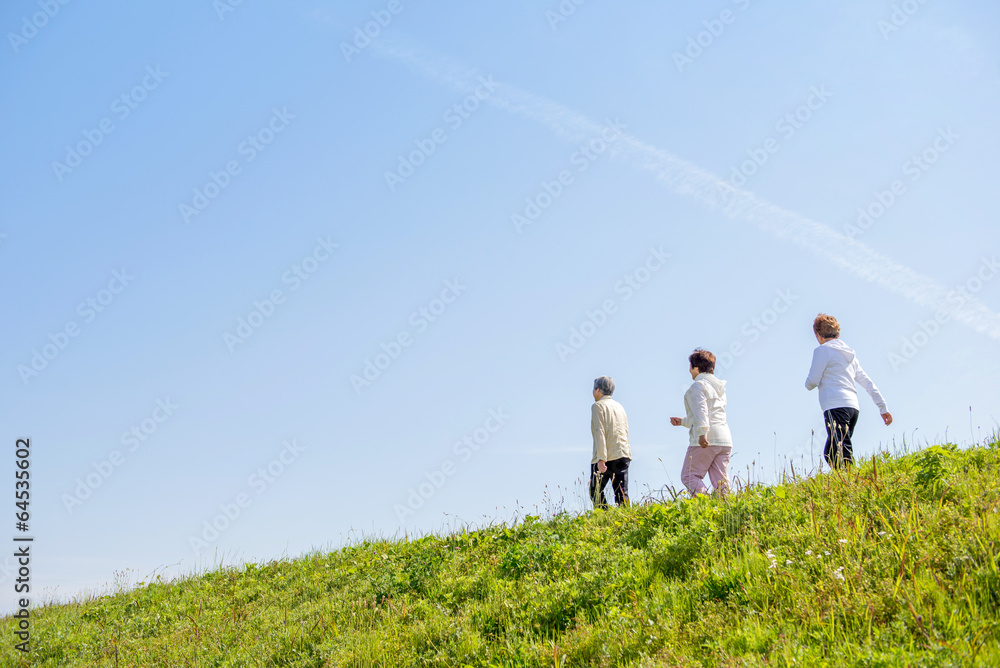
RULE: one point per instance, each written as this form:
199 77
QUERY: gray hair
605 385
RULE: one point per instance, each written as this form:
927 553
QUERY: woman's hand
676 421
703 441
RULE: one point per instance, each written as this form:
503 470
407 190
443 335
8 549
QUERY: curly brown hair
702 360
826 326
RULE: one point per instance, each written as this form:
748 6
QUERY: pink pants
713 460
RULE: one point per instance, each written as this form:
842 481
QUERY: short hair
826 326
605 385
702 360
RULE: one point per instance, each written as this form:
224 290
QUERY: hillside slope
893 564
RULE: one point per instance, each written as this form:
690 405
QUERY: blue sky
219 218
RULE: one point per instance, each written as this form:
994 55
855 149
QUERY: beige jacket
609 425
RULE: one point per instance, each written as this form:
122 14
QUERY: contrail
685 178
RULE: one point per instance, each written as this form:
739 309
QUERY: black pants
840 423
617 475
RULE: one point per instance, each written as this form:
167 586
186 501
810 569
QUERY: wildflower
881 533
809 553
826 552
839 573
842 540
788 562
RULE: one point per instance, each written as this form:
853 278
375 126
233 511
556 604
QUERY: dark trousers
840 423
617 475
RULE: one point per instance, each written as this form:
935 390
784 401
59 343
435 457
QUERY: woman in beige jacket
612 454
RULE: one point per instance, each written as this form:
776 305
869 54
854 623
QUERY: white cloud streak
684 178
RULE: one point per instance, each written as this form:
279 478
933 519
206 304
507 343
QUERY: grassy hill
893 564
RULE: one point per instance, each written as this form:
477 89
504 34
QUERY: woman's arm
816 370
865 381
699 409
686 420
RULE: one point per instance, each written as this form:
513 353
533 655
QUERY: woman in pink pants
710 443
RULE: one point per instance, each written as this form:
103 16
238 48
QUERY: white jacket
835 370
705 404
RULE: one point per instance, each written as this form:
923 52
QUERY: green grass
893 564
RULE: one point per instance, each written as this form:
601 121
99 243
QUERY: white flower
788 562
826 552
839 573
881 533
842 540
809 553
